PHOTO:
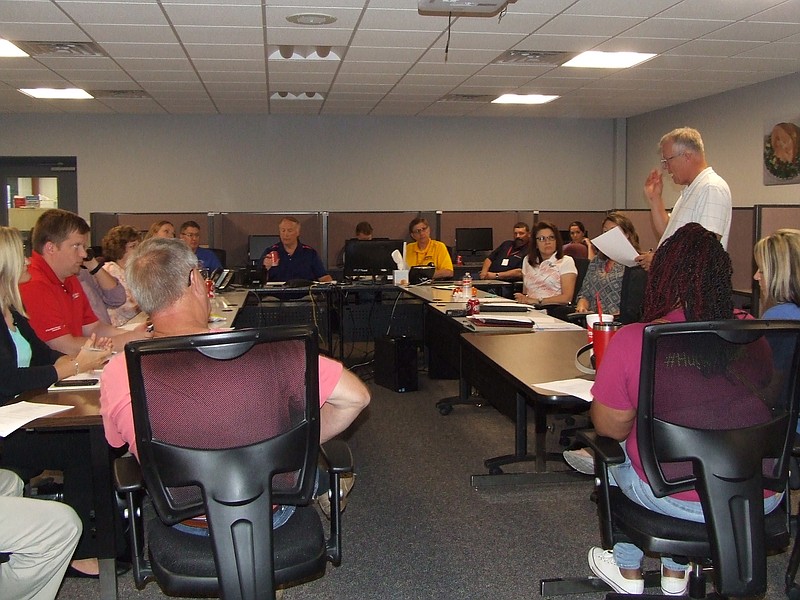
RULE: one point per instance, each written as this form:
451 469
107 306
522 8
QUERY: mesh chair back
717 411
211 409
576 250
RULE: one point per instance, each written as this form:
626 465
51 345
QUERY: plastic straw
599 307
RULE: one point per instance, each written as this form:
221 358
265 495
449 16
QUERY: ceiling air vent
66 49
467 98
546 58
119 94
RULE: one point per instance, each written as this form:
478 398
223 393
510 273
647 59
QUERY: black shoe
122 568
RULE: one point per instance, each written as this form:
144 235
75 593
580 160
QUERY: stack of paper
14 416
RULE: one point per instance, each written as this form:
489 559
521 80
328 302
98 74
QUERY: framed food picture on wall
782 154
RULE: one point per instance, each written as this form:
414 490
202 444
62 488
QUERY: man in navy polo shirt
506 260
295 260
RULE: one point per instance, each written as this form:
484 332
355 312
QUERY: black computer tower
396 363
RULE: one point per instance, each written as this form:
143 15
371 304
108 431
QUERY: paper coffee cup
593 318
400 277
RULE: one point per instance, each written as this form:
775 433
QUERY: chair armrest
606 450
338 456
127 474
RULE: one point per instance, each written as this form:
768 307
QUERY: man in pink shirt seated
157 275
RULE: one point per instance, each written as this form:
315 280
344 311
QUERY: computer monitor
370 257
474 239
256 244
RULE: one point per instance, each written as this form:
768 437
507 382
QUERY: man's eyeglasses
190 235
665 161
419 230
545 238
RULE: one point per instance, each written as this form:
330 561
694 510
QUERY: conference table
505 364
508 370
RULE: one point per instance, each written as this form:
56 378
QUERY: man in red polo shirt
55 301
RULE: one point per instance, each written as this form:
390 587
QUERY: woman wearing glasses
425 251
548 276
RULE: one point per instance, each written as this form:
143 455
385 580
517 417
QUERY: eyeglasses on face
665 160
545 238
419 230
190 235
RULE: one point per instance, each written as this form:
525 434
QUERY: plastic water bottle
466 286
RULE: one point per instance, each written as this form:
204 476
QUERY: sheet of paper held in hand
14 416
580 388
616 246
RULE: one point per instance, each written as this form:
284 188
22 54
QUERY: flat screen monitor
256 244
370 257
474 239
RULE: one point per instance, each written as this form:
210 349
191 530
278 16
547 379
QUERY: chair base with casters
655 532
715 416
792 588
183 564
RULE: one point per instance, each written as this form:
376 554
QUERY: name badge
504 262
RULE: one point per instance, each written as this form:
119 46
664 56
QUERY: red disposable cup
273 256
603 332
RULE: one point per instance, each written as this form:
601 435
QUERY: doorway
32 184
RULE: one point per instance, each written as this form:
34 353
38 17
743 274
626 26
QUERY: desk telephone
224 279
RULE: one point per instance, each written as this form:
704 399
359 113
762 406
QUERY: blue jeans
629 556
280 515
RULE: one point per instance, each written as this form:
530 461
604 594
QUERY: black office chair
227 425
718 406
221 256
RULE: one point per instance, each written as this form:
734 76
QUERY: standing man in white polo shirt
706 199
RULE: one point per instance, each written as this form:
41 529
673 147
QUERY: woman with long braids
677 290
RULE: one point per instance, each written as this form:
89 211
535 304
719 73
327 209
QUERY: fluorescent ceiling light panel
57 93
9 50
608 60
523 99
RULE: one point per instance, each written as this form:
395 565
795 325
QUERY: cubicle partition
227 231
102 222
327 231
341 226
231 231
592 220
501 221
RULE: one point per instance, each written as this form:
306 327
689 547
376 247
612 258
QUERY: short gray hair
685 138
158 272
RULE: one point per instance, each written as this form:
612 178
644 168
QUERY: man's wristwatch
497 275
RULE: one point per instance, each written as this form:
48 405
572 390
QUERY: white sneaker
580 460
602 564
675 586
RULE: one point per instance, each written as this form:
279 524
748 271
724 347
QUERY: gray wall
291 164
733 127
294 164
